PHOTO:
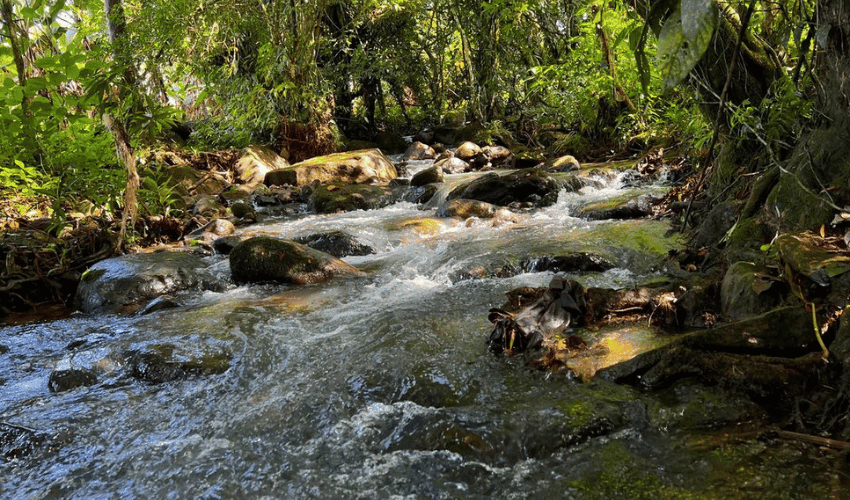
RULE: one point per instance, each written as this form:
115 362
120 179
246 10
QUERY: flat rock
122 284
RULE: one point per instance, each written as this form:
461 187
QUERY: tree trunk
116 24
815 179
20 66
757 64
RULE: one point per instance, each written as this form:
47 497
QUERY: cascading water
379 386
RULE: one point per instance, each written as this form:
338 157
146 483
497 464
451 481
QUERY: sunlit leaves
684 39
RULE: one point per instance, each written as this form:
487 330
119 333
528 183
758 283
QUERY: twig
820 441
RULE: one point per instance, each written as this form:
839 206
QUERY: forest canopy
571 76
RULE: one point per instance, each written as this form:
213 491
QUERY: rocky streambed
330 340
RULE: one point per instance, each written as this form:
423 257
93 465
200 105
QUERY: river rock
333 198
430 175
419 151
421 194
122 284
566 163
264 259
208 206
569 263
468 151
717 222
365 166
17 441
336 243
749 290
528 159
467 208
65 380
627 207
164 362
497 156
786 331
453 165
255 163
531 186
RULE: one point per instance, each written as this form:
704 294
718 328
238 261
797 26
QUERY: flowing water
382 386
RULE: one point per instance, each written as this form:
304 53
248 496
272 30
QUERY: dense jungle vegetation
752 93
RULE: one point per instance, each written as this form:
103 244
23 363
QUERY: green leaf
695 14
29 13
677 53
35 84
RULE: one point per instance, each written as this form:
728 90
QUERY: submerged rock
158 363
122 284
365 166
348 197
65 380
265 259
17 441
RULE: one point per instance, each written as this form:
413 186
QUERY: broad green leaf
48 62
678 54
694 15
36 83
29 13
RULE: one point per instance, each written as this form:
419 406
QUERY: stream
383 386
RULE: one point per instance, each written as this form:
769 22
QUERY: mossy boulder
365 166
630 206
749 290
265 259
467 208
333 198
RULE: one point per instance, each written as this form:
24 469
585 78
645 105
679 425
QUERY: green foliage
778 119
158 193
684 38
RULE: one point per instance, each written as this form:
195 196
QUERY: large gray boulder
123 284
265 259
